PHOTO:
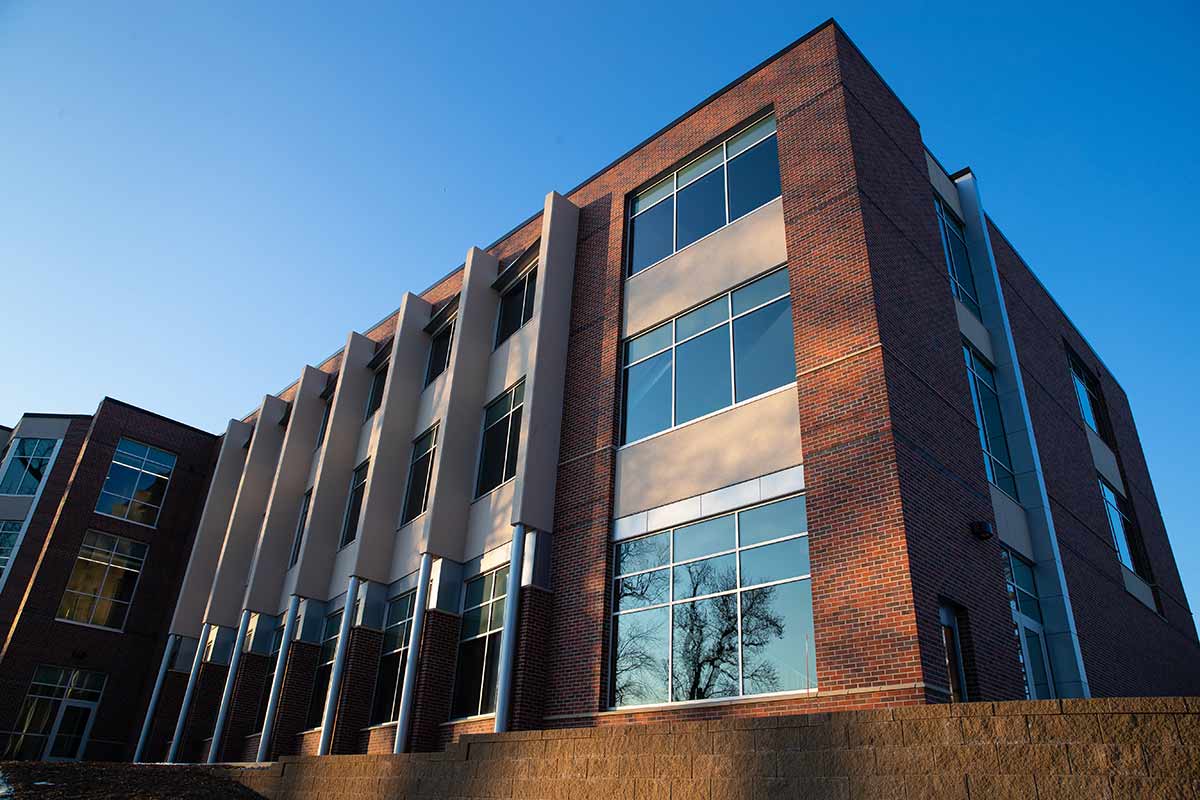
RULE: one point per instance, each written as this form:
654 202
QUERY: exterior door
69 736
1037 662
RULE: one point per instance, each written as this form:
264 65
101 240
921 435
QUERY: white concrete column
289 632
508 636
185 706
230 681
408 690
148 723
339 666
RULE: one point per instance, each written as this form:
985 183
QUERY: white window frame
483 429
137 583
141 470
447 326
463 609
10 454
522 277
434 429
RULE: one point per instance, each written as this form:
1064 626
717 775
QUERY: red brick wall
358 686
529 675
166 714
254 672
1162 658
435 679
202 714
294 696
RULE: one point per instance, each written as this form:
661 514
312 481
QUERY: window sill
710 414
379 726
720 701
153 527
474 718
94 627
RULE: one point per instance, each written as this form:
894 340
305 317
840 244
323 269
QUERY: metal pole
508 639
168 654
414 647
193 676
289 628
339 666
230 680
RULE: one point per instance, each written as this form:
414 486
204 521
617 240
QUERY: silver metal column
230 680
289 629
339 666
508 639
414 646
193 676
168 654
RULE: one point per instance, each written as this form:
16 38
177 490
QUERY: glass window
264 694
389 681
298 538
479 644
726 183
954 245
29 461
730 349
358 487
501 439
1022 588
419 471
1027 625
102 581
10 529
375 398
41 709
1089 396
1121 526
324 424
439 352
329 642
997 462
516 305
952 653
706 610
137 483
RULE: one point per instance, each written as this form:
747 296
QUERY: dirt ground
98 781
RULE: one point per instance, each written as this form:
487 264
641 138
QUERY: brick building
97 515
768 415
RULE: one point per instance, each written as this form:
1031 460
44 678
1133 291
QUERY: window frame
448 330
350 527
375 393
323 430
326 637
670 566
1131 532
484 428
1085 380
972 357
488 603
141 470
949 224
956 665
524 282
10 455
301 524
1023 621
434 432
673 177
90 623
401 650
18 533
675 344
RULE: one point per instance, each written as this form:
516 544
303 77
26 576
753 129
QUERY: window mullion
732 364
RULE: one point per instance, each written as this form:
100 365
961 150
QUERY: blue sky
182 181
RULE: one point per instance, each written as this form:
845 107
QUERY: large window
56 716
954 244
389 681
727 182
27 467
329 643
358 487
103 580
375 397
419 471
952 653
730 349
1087 392
439 352
516 305
10 529
501 439
1027 625
479 644
136 483
298 538
1121 526
324 424
718 608
996 459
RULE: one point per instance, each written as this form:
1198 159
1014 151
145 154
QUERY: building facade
766 416
97 515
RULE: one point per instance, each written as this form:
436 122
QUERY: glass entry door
70 733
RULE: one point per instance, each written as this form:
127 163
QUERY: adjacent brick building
768 415
98 512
